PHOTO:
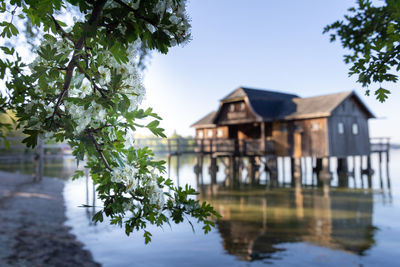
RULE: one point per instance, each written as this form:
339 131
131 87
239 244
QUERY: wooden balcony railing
380 144
234 146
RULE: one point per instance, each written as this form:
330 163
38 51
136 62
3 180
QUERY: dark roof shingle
206 121
272 105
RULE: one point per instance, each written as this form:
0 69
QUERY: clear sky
267 44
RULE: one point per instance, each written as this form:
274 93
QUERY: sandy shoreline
32 230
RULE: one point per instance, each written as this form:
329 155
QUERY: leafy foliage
372 34
84 88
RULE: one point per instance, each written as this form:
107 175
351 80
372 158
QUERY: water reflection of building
254 223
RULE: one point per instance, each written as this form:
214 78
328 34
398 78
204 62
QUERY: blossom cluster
130 178
93 115
84 88
131 84
178 18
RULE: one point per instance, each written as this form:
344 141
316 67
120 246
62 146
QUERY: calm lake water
282 226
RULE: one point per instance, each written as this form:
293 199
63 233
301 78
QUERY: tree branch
99 150
64 34
123 4
91 23
100 90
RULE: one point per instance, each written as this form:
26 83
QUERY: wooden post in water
361 171
369 171
251 170
296 171
228 172
380 170
38 160
239 170
235 171
387 171
257 172
342 170
323 174
198 168
213 169
272 165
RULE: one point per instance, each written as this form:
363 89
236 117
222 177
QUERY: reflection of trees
254 222
62 168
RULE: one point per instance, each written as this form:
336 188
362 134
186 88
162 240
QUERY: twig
64 34
135 12
94 17
139 16
100 90
99 150
98 129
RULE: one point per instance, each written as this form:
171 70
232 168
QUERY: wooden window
232 107
200 134
354 128
242 106
298 128
314 126
210 133
340 128
220 133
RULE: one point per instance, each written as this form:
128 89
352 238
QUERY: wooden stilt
380 170
323 175
296 171
213 169
342 170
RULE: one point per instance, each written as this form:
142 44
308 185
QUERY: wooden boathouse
250 121
267 124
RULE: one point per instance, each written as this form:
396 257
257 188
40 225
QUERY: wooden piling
272 166
38 161
323 174
213 169
369 171
342 171
251 170
295 164
380 170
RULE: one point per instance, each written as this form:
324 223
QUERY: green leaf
78 174
31 140
153 124
147 237
382 94
98 216
13 29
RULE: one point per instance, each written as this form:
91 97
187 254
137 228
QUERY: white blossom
105 75
129 138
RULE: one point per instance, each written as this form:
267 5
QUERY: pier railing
175 146
233 146
379 144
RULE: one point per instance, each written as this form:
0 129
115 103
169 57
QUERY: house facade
261 122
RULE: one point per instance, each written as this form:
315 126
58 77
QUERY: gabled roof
254 94
323 106
206 121
269 105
